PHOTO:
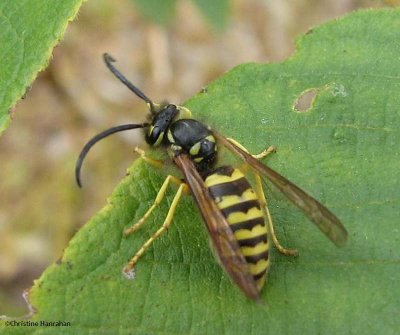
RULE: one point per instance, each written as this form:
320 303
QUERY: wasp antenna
108 59
97 138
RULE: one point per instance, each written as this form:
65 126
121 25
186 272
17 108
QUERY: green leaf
216 12
29 30
160 12
343 150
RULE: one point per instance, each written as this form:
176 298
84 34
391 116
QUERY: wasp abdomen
240 206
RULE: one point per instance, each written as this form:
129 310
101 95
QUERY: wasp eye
154 135
160 124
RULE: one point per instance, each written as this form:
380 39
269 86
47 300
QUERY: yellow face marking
194 150
198 159
260 266
159 139
216 179
237 217
258 249
230 200
243 234
170 137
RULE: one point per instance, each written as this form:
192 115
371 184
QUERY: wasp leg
264 204
168 220
157 201
159 164
155 162
263 200
261 155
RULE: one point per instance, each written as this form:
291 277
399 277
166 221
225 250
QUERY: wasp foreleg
155 162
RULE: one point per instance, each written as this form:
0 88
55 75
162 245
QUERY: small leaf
29 30
158 11
162 12
343 150
216 12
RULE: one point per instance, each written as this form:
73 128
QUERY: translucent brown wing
325 220
220 233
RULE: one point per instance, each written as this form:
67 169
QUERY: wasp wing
218 228
325 220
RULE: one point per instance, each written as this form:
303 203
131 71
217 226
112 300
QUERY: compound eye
160 125
154 136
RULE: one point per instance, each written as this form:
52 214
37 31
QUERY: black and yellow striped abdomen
240 206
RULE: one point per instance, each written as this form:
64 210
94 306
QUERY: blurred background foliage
170 49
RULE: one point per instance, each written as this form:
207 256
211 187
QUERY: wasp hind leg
167 222
261 155
263 200
264 204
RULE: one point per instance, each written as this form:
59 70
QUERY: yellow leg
157 201
262 154
160 196
265 153
157 163
264 204
263 200
245 167
168 220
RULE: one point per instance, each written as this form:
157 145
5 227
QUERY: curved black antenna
97 138
108 59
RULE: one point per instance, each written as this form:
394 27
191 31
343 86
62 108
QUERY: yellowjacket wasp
233 212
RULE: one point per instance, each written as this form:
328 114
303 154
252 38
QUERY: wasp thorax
195 139
160 124
204 151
